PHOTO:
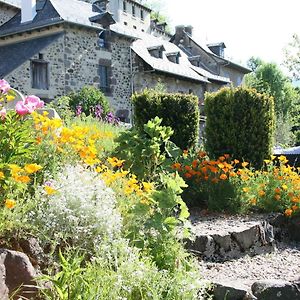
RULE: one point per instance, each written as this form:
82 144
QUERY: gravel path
283 263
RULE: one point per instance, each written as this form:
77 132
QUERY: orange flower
261 193
176 166
253 201
221 158
10 203
2 175
215 180
277 197
295 207
245 164
202 154
236 161
223 177
296 200
277 190
195 164
21 179
187 175
188 168
288 212
226 156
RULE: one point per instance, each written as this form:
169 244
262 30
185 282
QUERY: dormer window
124 6
217 48
100 6
156 51
102 42
173 57
133 10
142 15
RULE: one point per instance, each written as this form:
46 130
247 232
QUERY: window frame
36 66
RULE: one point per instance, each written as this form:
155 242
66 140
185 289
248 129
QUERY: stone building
53 47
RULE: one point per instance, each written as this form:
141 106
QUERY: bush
240 122
179 111
62 107
89 101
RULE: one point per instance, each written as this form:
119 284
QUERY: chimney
28 10
189 30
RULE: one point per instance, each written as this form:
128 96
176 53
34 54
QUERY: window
101 42
142 14
39 74
103 73
133 10
124 6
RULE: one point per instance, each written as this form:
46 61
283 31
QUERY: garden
103 211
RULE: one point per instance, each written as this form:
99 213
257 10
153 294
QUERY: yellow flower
49 190
32 168
246 189
147 187
10 203
261 193
10 98
115 162
15 168
284 187
253 201
2 175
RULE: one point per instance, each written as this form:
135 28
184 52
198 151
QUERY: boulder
276 289
230 290
17 273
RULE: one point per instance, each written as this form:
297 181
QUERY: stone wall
6 13
122 69
82 58
235 76
147 79
21 77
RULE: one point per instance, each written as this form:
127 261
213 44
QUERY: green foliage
292 57
179 111
146 151
16 138
88 98
240 122
118 272
62 107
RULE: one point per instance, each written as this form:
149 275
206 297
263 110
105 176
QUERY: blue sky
249 28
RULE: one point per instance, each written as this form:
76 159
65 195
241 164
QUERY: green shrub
179 111
88 99
62 107
240 122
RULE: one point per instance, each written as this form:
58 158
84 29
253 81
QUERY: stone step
220 237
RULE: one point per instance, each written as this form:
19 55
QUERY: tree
292 57
268 78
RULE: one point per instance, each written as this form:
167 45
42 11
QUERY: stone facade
6 13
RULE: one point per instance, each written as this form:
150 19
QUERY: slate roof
53 12
209 75
208 51
15 3
183 69
14 55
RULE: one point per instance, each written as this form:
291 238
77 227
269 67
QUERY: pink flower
4 86
3 114
21 108
30 104
34 101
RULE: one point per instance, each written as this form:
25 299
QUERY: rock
203 245
276 289
294 228
231 290
3 286
32 248
18 272
247 238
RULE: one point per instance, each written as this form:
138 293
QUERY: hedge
240 122
179 111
